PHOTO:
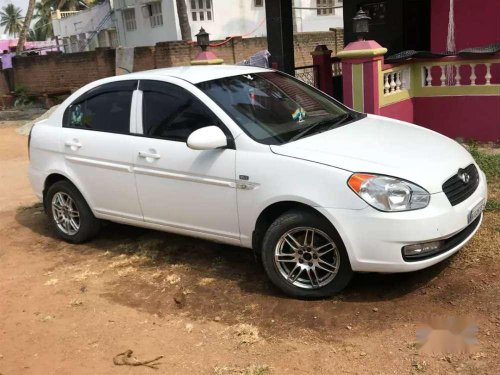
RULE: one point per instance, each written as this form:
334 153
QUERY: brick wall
62 72
58 72
304 44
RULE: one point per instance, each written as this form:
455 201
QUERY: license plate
475 212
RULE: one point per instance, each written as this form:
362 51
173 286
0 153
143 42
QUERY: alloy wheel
307 258
65 213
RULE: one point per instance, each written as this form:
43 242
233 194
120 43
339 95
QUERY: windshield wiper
336 121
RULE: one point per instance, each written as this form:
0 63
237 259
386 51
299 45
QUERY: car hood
381 145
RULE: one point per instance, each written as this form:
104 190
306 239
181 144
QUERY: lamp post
205 57
203 39
360 24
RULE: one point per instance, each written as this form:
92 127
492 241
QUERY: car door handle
74 144
148 155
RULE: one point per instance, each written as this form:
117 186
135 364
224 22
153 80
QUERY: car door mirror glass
207 138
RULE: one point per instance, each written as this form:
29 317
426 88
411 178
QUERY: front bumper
374 239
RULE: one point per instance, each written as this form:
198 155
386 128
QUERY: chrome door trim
99 163
185 177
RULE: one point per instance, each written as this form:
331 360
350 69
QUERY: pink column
322 57
360 72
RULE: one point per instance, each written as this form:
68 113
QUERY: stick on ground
125 359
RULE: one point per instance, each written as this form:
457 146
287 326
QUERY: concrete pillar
361 68
279 24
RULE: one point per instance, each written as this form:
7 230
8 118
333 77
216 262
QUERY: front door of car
97 147
189 190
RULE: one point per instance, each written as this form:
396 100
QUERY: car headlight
388 193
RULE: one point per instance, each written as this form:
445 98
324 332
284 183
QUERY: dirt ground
209 309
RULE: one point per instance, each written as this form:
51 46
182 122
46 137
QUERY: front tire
71 217
305 257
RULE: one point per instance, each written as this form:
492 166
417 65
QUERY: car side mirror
207 138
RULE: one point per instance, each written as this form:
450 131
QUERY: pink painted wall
43 47
476 23
466 117
402 110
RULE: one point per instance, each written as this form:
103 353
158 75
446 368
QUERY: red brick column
322 57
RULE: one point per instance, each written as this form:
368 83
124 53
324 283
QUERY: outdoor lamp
360 24
203 39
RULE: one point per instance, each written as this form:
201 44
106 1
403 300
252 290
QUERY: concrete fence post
361 68
322 58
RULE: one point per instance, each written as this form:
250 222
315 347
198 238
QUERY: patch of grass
488 162
246 334
492 205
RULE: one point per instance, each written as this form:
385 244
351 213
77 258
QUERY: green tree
36 35
68 5
43 25
11 20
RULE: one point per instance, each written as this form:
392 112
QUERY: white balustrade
428 77
449 74
396 81
387 87
487 77
447 78
392 83
443 75
457 75
473 74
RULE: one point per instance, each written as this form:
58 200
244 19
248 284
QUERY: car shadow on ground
239 289
223 261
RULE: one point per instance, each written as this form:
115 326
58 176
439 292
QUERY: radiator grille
458 189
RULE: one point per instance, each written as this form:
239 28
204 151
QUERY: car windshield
274 108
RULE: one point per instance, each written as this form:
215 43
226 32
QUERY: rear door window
105 108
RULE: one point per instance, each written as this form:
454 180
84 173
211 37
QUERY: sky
23 4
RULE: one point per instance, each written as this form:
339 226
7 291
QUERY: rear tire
71 216
305 257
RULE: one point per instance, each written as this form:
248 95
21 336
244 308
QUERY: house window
102 39
325 7
66 45
258 3
156 16
129 19
201 10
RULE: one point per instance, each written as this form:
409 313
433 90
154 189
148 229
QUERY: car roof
196 74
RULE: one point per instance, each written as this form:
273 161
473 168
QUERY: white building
134 23
84 30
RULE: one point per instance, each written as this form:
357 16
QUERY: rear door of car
97 145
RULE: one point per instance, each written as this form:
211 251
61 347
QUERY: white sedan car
255 158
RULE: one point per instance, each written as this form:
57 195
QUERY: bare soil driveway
209 309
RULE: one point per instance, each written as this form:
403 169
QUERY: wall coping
356 53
